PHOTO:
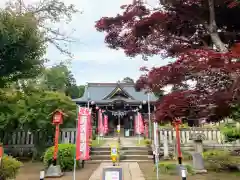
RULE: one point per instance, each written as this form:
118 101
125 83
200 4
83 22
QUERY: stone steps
128 160
128 152
135 148
123 157
136 157
134 152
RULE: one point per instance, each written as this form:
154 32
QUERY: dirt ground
31 171
149 174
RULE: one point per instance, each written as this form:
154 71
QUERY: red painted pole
178 143
56 145
1 153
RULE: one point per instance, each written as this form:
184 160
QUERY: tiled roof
98 91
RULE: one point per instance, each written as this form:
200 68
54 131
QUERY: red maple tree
202 35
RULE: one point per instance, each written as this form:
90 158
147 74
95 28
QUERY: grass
142 142
96 144
149 174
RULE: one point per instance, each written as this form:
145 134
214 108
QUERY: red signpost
57 120
1 153
176 124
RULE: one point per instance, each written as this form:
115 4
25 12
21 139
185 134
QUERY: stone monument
198 141
198 163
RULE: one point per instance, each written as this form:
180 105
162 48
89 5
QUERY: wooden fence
68 135
212 135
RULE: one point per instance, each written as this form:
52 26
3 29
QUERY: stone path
129 142
109 141
131 171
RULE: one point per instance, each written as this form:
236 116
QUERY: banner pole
156 146
75 155
138 123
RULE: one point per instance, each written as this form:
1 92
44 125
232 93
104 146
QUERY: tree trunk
212 28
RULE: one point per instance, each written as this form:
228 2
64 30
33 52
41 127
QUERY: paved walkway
131 171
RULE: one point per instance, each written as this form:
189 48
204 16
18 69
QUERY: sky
92 60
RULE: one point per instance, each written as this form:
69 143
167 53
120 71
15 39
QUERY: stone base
166 158
238 167
54 172
203 171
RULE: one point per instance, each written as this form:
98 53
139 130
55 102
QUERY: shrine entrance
120 102
126 121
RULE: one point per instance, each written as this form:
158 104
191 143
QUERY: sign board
118 128
113 173
114 151
57 117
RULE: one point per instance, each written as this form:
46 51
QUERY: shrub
66 155
10 167
230 131
171 168
220 160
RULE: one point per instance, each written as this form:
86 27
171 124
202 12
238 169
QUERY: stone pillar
198 141
165 148
198 162
198 146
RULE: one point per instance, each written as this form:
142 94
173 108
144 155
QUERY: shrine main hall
120 102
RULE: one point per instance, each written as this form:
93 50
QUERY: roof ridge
111 84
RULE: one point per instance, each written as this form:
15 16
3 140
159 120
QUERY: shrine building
120 102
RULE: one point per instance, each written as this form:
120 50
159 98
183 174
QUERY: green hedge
10 167
220 160
66 155
171 168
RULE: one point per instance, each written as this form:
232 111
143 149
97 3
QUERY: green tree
236 112
35 109
159 94
32 110
54 11
60 78
21 45
127 80
9 100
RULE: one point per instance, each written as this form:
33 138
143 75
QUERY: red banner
146 130
105 124
100 123
141 124
83 137
90 126
138 124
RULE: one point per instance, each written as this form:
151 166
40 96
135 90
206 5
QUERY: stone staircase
128 154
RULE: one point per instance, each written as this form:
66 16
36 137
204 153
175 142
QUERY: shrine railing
68 135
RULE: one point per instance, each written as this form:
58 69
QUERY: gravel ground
31 171
147 170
